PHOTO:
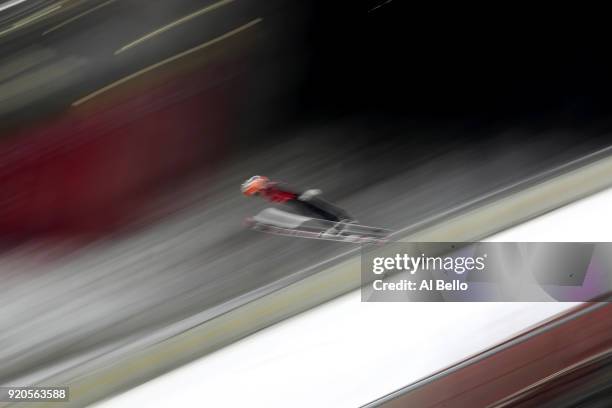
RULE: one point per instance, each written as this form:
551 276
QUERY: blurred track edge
561 362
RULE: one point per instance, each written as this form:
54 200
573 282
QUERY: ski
277 222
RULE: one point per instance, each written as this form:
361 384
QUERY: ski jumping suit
308 203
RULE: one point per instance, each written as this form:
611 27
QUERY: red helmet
254 185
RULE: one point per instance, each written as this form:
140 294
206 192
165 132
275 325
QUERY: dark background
438 63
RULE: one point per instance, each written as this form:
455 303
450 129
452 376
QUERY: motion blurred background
126 128
104 103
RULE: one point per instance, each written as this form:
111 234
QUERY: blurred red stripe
84 173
